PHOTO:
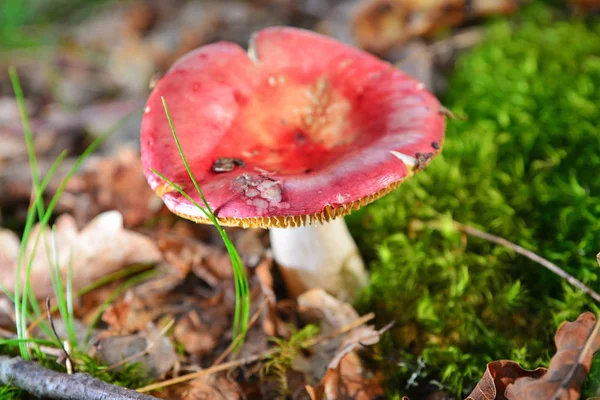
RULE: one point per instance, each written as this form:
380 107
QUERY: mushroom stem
319 256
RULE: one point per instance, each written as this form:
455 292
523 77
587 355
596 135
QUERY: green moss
11 393
525 166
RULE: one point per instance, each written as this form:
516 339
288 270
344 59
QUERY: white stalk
319 256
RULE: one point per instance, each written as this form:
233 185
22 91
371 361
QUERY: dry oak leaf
128 314
564 377
150 348
380 25
100 248
498 375
113 183
336 363
212 387
347 381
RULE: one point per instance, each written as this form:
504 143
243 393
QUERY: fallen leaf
113 183
7 310
100 248
212 387
150 348
334 364
196 338
127 315
349 380
564 377
498 375
569 366
315 393
380 25
318 305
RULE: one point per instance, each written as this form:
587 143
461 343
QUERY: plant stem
469 230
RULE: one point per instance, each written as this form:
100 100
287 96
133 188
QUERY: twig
251 359
344 329
67 355
532 256
48 384
585 352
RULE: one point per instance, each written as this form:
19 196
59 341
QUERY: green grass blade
242 308
48 214
12 342
21 297
30 219
115 276
70 318
59 290
35 175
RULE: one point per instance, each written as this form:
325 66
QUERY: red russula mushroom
298 131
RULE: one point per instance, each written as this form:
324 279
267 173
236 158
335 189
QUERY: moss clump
525 166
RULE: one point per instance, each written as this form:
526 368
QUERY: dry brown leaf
334 364
7 310
150 348
498 375
348 381
315 392
212 387
568 368
380 25
196 338
564 377
102 247
113 183
127 315
209 263
316 305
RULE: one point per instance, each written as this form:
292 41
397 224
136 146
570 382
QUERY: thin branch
48 384
67 355
469 230
251 359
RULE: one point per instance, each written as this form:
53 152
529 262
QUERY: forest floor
127 292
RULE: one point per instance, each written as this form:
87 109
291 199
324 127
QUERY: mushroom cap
301 128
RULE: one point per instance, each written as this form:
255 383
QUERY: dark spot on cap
435 145
300 137
307 171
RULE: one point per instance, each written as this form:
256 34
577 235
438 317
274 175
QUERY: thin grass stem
242 288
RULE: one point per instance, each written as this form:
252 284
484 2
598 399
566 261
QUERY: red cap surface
301 128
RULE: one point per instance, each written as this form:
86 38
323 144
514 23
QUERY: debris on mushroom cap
300 129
